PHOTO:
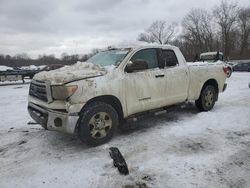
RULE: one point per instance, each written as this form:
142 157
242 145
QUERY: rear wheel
207 98
98 123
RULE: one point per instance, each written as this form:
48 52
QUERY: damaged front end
52 119
56 97
42 109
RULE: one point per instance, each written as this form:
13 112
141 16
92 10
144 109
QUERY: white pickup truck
91 99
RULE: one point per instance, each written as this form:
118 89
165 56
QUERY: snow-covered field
182 148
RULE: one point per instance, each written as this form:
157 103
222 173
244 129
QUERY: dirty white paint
137 91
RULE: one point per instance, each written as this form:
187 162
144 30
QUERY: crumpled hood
77 71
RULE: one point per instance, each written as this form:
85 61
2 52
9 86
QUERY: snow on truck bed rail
198 63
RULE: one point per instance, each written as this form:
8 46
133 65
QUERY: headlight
63 92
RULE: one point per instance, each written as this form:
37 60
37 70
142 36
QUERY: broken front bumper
53 120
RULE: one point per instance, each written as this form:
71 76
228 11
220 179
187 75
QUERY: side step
157 112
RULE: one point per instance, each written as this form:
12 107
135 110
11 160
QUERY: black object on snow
118 160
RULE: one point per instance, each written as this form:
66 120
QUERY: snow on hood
77 71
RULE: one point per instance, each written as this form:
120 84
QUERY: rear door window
169 58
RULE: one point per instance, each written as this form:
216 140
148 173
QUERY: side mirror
136 65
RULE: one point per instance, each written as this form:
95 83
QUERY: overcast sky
77 26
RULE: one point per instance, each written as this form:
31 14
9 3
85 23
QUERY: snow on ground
5 68
182 148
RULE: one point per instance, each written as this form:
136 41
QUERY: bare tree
21 56
244 29
64 56
197 29
226 16
158 32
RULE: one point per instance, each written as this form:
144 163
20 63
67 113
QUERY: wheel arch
108 99
212 82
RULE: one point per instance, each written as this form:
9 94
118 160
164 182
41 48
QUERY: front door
145 89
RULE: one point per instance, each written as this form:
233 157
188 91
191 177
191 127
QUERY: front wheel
207 98
98 123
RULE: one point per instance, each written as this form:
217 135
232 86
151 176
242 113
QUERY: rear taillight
226 70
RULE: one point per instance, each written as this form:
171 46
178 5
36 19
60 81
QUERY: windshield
111 57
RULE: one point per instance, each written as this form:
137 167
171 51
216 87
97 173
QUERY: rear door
176 77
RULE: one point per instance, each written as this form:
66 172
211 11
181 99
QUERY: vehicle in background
52 67
5 68
16 74
211 56
214 57
9 77
242 67
91 99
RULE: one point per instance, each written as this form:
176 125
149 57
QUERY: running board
156 112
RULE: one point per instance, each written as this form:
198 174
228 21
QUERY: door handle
159 75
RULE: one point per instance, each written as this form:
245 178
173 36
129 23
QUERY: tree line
225 28
24 60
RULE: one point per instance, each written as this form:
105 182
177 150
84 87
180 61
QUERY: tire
97 124
207 98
